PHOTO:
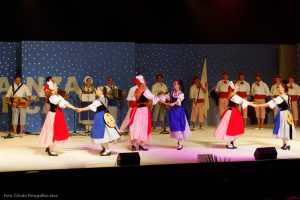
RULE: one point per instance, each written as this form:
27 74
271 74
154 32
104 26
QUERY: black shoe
103 150
230 147
50 153
234 147
142 148
287 147
283 147
133 148
180 146
105 153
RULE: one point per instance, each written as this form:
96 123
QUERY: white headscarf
140 78
87 77
51 85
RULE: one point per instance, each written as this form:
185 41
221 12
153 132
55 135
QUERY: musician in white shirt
158 89
274 91
222 91
293 92
112 102
244 92
18 90
260 91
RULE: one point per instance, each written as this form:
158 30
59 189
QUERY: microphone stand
74 121
9 136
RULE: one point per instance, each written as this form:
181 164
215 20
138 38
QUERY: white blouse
148 94
179 96
58 100
239 100
98 103
278 100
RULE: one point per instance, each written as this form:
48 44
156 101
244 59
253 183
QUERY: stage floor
26 154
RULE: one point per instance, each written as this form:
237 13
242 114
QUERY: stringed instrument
19 102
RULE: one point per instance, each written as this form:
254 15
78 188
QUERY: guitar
19 102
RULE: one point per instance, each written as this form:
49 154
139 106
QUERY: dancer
140 117
179 125
131 102
274 91
284 127
232 125
101 133
55 127
260 91
222 91
294 93
244 92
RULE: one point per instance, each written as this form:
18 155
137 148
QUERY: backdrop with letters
70 62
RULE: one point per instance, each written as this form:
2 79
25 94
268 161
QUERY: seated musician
18 96
87 118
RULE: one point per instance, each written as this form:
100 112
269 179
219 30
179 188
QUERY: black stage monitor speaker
127 159
265 153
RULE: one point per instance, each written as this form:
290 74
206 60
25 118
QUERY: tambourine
289 118
109 120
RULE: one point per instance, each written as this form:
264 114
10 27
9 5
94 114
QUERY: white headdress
140 78
86 78
51 85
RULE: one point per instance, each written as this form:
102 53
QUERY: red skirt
236 123
60 131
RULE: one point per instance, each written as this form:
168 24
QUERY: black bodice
102 107
142 99
231 104
284 105
52 106
174 99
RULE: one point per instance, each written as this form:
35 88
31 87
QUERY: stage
26 154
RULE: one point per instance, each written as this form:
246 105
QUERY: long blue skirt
98 127
177 118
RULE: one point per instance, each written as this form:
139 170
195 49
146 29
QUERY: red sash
131 104
259 96
200 100
223 94
294 97
242 94
132 115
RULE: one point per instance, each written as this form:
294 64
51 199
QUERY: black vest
102 107
52 106
142 99
284 105
174 99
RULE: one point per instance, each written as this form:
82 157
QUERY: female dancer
179 125
55 127
284 127
101 133
232 125
140 117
